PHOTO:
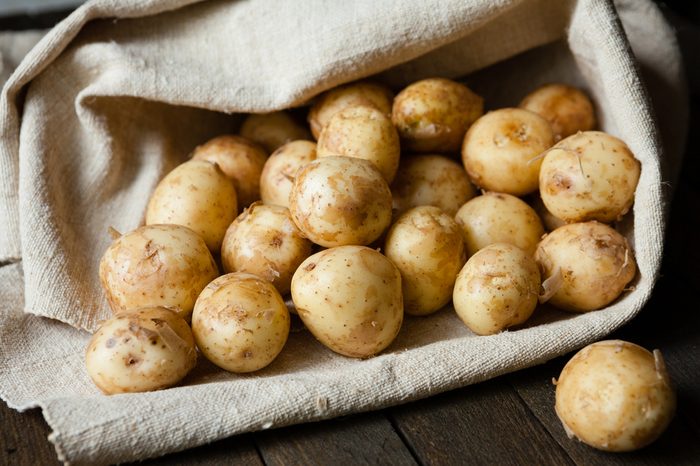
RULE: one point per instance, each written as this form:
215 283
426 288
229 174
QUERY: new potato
272 130
281 168
566 108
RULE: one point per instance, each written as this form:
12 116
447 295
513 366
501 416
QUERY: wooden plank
367 439
482 424
238 450
23 438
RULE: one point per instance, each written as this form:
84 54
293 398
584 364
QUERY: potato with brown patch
240 322
433 114
499 218
239 159
272 130
357 94
566 108
587 264
589 176
496 289
281 168
264 241
142 350
431 180
156 265
365 133
501 150
615 396
350 299
426 246
338 201
197 195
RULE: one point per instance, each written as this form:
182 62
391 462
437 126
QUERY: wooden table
508 420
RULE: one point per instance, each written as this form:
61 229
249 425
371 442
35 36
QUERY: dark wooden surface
508 420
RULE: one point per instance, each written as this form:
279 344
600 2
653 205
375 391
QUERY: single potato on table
272 130
350 299
281 168
198 195
141 350
240 322
427 247
566 108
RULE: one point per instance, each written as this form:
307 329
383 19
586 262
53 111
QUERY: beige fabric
100 109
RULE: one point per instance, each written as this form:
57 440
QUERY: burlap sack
121 91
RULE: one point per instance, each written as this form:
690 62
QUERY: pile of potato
377 218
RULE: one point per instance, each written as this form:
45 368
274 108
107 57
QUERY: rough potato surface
272 130
281 168
566 108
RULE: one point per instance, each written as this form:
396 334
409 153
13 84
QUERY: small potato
350 299
427 247
549 221
240 322
500 151
357 94
197 195
365 133
432 115
142 350
499 218
156 265
239 159
589 176
431 180
615 396
587 264
496 289
566 108
281 168
272 130
264 241
337 201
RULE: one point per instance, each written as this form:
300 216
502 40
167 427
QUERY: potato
264 241
338 201
142 350
240 322
350 299
588 264
549 221
496 289
239 159
357 94
281 168
589 176
431 180
272 130
499 218
197 195
566 108
365 133
501 149
615 396
427 247
432 115
156 265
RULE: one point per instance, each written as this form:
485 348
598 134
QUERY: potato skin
426 246
549 221
239 159
615 396
350 299
240 322
156 265
500 150
264 241
433 114
281 168
499 218
337 201
595 263
357 94
272 130
496 289
589 176
197 195
365 133
566 108
141 350
431 180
